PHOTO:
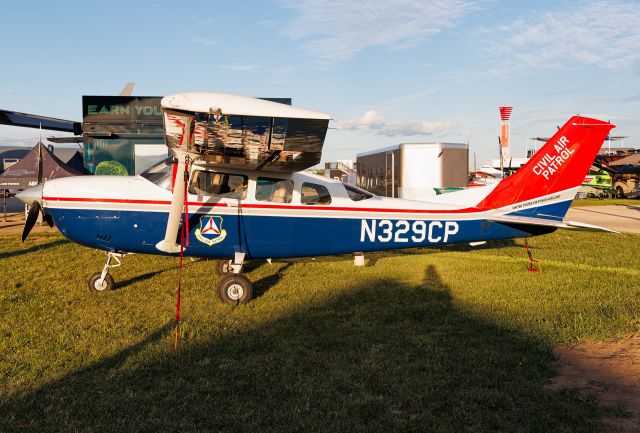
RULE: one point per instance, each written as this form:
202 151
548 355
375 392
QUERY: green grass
605 202
445 340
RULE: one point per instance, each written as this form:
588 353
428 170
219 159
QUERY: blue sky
388 72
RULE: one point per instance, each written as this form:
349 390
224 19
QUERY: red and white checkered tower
505 114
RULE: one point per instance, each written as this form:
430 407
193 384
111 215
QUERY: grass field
442 340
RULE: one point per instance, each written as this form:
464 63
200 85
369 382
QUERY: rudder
560 165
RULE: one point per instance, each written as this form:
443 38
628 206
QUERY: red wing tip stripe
265 206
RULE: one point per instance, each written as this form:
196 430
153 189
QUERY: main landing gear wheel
235 289
223 267
95 285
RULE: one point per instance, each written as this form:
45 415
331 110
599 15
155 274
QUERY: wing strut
169 244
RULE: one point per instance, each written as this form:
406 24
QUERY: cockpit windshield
160 174
357 194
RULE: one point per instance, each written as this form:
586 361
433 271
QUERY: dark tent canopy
37 166
76 163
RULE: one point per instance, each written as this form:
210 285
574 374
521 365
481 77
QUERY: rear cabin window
274 190
218 184
314 194
357 194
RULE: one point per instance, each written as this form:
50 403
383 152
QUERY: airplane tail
545 186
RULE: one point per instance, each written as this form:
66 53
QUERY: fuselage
317 216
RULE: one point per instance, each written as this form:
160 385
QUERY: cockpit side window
274 190
314 194
217 184
357 194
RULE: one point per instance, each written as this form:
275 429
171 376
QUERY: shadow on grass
384 357
263 285
35 248
373 256
138 278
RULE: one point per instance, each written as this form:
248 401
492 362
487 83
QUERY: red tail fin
559 165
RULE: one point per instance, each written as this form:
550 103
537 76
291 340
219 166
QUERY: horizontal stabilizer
549 223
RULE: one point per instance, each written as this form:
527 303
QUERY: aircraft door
269 225
215 203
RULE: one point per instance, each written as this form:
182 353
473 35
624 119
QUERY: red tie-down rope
534 265
184 242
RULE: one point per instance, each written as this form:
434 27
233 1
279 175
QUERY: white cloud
23 141
416 95
240 68
336 30
373 121
605 34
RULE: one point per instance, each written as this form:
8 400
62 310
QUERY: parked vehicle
414 171
598 183
626 181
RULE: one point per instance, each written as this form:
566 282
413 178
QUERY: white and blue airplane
233 189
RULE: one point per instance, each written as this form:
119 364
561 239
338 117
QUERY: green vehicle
599 181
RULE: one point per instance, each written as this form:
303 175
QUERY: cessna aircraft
234 190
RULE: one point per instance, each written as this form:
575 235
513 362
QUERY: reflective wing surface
237 132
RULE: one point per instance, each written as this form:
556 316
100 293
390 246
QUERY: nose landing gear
102 281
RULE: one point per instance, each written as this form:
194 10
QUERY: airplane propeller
32 217
33 197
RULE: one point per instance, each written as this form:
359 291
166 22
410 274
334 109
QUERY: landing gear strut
233 288
102 281
223 267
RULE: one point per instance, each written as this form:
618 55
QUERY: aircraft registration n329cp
234 189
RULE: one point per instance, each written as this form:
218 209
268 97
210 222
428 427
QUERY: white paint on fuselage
137 193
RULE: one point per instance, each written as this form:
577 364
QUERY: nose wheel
99 284
102 281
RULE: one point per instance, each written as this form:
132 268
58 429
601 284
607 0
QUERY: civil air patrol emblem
210 231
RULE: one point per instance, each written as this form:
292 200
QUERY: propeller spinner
33 198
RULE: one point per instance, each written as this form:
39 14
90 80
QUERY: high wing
233 131
230 131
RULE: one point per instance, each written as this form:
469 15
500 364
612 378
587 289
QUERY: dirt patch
611 371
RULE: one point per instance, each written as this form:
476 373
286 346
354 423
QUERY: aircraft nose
28 196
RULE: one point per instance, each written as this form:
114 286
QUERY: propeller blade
32 217
48 219
168 244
